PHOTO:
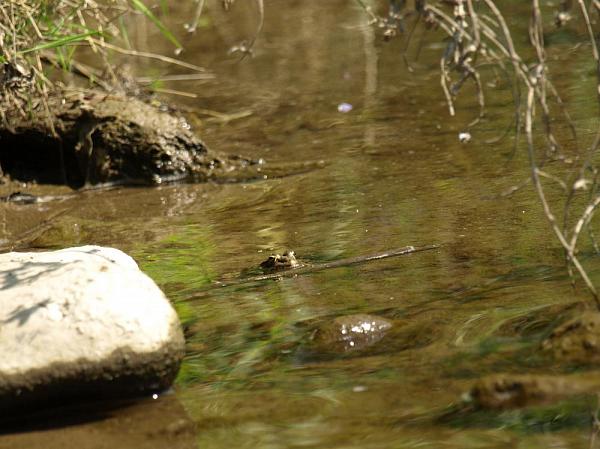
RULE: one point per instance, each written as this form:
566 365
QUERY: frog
278 266
279 262
287 264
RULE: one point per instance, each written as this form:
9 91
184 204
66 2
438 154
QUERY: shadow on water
142 423
60 417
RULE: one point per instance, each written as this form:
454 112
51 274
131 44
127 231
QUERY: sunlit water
395 174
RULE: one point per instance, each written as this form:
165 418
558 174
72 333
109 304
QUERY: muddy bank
94 137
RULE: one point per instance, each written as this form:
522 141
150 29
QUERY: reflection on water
396 175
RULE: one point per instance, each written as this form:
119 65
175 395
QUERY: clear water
395 174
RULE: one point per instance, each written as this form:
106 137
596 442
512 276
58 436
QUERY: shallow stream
394 174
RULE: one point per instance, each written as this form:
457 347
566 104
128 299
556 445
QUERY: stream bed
394 173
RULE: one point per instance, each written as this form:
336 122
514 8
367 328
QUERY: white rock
83 320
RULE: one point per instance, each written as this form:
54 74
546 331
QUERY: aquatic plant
479 35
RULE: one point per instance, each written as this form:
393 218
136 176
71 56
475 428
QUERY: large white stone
82 321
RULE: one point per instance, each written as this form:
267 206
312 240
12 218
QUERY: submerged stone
364 334
507 391
82 323
350 333
577 340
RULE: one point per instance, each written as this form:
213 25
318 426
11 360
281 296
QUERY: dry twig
478 35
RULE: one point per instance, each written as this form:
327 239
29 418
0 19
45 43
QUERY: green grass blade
140 6
60 42
124 33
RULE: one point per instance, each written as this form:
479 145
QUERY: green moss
574 413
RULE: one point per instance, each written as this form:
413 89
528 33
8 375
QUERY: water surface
395 174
